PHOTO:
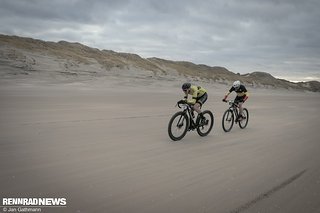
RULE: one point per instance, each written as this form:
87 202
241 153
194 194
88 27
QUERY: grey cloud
242 35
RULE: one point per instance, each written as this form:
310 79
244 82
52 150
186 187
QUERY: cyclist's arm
185 97
194 96
228 93
192 101
246 94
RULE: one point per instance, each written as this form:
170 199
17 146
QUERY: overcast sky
281 37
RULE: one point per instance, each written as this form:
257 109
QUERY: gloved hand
182 102
225 98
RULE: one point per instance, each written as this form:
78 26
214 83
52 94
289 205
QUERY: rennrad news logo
31 204
37 202
10 204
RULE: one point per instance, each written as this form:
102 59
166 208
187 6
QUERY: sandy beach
105 148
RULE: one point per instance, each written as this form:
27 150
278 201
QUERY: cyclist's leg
200 102
239 101
197 107
240 109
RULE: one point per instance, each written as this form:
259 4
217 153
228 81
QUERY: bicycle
183 121
231 115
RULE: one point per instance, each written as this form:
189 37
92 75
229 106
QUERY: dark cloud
276 36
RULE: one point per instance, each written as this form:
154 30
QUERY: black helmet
186 86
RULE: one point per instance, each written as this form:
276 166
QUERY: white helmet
236 84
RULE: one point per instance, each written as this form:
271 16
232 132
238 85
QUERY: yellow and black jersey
241 91
196 92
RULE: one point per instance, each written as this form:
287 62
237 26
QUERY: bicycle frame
185 120
235 108
232 114
189 111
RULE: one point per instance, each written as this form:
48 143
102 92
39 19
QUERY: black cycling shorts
201 100
239 99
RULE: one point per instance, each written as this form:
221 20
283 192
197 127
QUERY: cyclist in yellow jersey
242 95
198 96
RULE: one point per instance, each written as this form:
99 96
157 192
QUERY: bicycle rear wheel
245 118
227 120
206 124
178 126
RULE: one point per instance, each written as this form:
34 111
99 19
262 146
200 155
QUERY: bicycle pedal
191 128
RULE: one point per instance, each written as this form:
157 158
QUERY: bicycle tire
228 118
185 120
201 126
244 122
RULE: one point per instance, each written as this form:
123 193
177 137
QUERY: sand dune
63 61
105 147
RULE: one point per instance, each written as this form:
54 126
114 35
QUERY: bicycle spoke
227 120
206 124
178 126
245 118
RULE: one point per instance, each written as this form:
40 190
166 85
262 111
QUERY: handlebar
183 104
231 102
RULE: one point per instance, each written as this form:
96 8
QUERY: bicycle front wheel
178 126
227 120
245 118
206 124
